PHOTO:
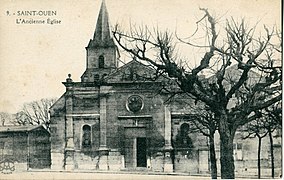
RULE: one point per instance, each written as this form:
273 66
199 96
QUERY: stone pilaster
103 158
57 160
69 148
69 159
103 122
168 164
69 133
103 150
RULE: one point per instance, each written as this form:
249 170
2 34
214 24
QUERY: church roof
19 128
134 71
102 35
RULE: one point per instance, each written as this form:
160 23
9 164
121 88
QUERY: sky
36 58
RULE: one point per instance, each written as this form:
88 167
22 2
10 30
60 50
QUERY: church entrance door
135 147
141 152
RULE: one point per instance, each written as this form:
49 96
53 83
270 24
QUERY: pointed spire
102 33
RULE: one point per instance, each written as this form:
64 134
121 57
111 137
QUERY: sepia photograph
152 89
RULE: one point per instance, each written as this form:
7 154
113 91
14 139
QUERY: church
114 118
119 118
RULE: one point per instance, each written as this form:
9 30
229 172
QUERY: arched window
101 61
86 138
183 139
184 128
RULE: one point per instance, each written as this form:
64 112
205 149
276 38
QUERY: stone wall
39 149
108 53
57 134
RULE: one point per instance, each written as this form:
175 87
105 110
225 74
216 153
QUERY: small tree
35 113
260 128
257 129
274 121
206 124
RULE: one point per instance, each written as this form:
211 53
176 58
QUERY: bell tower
101 50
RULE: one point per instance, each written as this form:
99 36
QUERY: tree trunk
271 152
258 157
226 149
213 163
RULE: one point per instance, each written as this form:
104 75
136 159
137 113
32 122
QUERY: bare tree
273 115
243 66
201 120
206 124
5 118
35 113
260 128
257 129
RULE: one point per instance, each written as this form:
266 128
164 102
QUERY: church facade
119 118
114 118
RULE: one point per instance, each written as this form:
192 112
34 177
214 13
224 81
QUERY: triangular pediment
133 71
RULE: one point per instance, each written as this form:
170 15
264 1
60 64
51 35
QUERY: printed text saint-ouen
36 13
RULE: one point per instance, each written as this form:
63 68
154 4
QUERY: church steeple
102 35
101 50
102 28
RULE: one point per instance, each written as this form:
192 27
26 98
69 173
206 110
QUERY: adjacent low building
24 147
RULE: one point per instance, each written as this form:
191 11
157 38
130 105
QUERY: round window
134 103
